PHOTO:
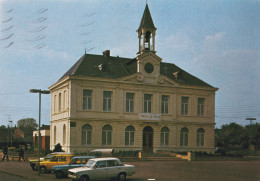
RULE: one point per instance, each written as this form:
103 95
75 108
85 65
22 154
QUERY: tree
232 136
58 148
2 127
27 123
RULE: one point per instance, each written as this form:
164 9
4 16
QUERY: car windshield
90 163
47 157
74 161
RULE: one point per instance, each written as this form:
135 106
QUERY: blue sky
218 41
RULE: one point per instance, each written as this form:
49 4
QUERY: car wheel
59 174
43 170
33 167
84 178
121 177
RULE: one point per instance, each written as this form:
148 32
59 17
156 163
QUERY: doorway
148 139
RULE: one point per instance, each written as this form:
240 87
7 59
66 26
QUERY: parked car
58 159
62 170
102 169
33 162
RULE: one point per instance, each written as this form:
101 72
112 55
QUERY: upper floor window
201 106
87 99
107 98
184 105
55 104
147 103
164 104
129 102
59 102
65 100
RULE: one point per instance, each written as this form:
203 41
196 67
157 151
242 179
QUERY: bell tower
148 63
146 33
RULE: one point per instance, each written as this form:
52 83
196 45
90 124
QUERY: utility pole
11 131
250 129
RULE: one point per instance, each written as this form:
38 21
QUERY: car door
62 160
75 163
100 171
83 162
113 168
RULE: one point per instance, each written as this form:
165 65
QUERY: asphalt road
9 177
162 171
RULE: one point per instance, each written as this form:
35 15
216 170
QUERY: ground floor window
107 135
200 137
165 136
86 134
129 135
184 136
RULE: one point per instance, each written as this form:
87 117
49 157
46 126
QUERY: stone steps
164 158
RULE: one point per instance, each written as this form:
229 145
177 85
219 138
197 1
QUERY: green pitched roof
147 21
116 67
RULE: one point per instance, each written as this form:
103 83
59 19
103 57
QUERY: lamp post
39 129
11 132
250 129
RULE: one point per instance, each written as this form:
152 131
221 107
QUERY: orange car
60 159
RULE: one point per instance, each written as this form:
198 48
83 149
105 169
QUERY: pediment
141 78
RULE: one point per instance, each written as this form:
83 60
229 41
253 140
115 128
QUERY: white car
102 169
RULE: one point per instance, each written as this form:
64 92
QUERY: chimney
106 53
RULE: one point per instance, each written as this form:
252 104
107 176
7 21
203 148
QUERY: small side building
45 137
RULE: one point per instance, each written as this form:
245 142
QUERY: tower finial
85 51
146 1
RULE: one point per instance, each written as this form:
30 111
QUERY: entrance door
148 139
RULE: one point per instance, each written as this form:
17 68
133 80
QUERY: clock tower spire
146 33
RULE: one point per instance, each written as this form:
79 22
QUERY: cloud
213 41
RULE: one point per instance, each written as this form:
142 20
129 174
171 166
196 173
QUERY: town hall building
141 103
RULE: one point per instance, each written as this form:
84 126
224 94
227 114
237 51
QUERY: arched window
54 137
65 100
59 102
184 137
86 134
129 135
106 135
200 137
55 104
165 136
64 134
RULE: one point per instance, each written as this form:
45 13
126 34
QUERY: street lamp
250 129
40 92
11 132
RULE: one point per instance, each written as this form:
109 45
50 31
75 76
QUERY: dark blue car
62 170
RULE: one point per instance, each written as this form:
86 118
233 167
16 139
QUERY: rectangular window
164 104
201 106
87 99
129 102
107 98
147 103
184 105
